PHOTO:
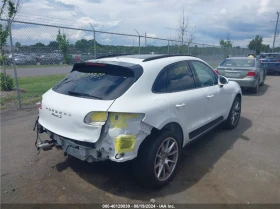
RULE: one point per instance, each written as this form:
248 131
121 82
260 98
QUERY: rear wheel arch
143 164
173 126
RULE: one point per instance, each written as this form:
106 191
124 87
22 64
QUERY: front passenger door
207 80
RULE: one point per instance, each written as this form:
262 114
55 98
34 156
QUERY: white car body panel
190 109
157 109
59 114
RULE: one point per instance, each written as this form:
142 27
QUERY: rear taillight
251 74
277 60
39 104
217 71
96 118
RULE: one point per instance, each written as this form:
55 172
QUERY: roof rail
112 55
166 55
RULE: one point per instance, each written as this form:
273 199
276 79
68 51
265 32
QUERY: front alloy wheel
235 112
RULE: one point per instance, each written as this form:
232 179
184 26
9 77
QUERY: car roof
137 58
241 58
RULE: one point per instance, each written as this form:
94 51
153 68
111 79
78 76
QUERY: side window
179 77
160 83
205 75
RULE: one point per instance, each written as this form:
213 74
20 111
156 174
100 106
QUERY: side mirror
222 81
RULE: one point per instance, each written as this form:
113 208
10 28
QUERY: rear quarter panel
139 98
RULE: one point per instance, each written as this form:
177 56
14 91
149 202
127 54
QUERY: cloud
263 6
106 40
214 19
223 11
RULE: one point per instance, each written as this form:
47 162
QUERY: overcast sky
212 19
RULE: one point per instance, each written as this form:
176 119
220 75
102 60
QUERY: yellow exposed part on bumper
125 143
118 120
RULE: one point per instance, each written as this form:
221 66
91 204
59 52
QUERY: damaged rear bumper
115 144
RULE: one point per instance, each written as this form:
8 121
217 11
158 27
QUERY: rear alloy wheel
166 159
158 159
234 114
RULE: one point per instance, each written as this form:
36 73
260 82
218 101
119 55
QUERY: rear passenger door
215 98
187 104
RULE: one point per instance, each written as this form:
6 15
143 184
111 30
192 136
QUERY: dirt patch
4 94
11 93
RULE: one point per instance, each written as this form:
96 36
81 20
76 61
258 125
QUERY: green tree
226 44
256 44
17 44
64 46
54 45
12 6
86 46
39 44
265 48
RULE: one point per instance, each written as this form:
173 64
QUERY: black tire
256 88
229 124
145 163
262 83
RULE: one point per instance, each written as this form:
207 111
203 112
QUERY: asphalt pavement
236 166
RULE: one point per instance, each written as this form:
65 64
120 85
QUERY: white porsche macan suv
144 108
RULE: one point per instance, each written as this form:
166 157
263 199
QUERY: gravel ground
238 166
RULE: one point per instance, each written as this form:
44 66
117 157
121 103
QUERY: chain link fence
37 56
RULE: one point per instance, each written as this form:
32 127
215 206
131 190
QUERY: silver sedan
245 71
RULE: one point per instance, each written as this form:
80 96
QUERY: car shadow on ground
197 160
262 90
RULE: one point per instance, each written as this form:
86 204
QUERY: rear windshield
96 83
238 63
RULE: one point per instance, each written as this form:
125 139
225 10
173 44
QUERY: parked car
144 108
21 59
49 59
270 62
75 58
36 57
246 71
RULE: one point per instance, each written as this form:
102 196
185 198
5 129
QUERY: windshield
95 84
238 63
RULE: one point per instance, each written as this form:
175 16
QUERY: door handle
180 105
210 96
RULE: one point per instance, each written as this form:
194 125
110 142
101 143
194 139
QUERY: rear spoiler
114 68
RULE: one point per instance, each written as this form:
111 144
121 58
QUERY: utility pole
145 39
275 31
94 42
138 41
